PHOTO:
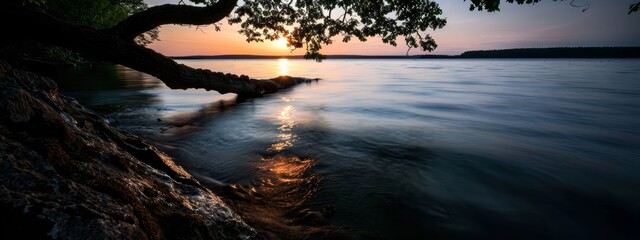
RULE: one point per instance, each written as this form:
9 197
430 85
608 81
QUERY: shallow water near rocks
403 149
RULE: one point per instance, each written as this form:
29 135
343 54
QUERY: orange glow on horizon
176 40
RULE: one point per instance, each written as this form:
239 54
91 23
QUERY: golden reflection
277 197
287 121
284 64
279 194
282 169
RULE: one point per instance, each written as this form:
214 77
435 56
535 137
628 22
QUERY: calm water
404 149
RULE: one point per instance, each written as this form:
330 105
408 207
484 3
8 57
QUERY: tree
307 24
97 14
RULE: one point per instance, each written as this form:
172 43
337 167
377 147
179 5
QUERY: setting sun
281 42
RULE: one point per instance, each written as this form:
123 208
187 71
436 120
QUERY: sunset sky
546 24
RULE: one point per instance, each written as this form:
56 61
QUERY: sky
545 24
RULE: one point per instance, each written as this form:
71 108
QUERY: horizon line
550 52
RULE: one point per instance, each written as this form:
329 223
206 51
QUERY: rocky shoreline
65 173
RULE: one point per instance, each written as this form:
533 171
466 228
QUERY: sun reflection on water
284 64
277 197
287 121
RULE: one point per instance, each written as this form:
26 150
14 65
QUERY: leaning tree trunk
117 45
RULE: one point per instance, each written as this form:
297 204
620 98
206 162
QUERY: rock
65 173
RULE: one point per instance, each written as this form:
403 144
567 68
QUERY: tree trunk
116 45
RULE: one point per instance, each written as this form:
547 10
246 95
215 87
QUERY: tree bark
153 17
116 45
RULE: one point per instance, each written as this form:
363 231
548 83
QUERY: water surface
404 149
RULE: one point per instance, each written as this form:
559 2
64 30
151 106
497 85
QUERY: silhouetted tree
97 14
307 24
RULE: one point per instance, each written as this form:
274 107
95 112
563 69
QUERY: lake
403 149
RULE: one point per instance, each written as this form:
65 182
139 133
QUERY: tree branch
105 45
153 17
634 7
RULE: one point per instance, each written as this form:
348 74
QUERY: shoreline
67 173
562 52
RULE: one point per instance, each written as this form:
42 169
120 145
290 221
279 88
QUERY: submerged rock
65 173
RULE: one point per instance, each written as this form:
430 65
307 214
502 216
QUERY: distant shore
582 52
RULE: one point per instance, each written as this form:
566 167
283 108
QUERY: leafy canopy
99 14
95 13
310 24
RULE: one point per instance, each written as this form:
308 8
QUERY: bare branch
634 7
173 14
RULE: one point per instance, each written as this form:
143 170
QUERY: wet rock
65 173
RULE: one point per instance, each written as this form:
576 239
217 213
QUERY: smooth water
404 149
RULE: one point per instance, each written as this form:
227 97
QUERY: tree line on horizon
560 52
552 52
